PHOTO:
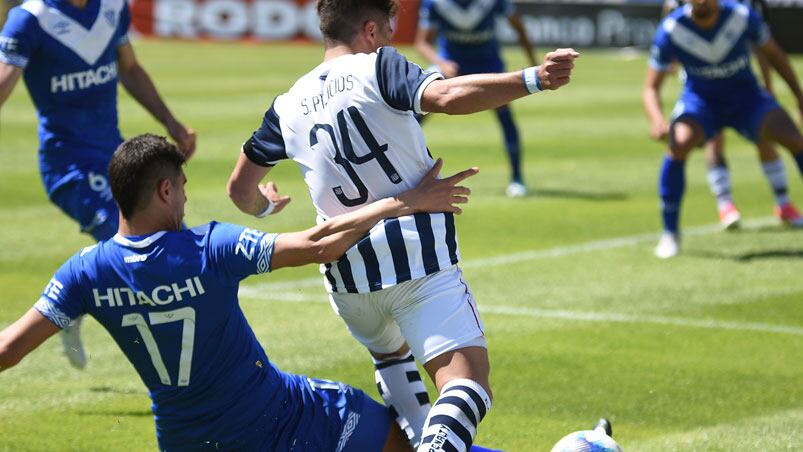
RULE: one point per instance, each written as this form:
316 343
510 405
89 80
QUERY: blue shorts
745 112
86 197
328 416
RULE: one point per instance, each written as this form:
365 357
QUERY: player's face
703 9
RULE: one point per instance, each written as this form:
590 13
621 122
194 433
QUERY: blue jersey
210 381
716 60
70 67
466 30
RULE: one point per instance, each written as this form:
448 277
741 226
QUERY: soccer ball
596 440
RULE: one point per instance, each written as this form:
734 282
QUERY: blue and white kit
211 383
717 65
467 31
69 59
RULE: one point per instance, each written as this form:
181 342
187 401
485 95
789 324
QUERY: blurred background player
719 178
350 125
71 54
711 41
464 32
168 297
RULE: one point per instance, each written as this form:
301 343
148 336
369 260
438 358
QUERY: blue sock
671 184
505 117
799 160
482 449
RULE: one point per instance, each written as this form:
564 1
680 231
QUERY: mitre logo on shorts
8 44
84 79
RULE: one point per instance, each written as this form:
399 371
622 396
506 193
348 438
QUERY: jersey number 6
377 152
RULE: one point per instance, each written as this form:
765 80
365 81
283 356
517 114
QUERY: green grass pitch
699 353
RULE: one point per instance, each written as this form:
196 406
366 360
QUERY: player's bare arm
329 240
524 40
778 59
23 336
249 195
425 44
9 75
651 97
139 84
473 93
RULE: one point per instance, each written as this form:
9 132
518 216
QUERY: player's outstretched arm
139 84
473 93
651 98
23 336
778 59
329 240
9 75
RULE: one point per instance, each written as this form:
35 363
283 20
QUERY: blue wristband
531 81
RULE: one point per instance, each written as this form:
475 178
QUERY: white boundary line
287 291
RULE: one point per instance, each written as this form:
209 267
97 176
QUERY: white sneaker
516 190
668 246
73 347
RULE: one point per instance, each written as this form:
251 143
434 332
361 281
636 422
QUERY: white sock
453 420
776 175
401 387
719 181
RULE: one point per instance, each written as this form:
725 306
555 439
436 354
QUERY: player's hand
184 137
449 68
271 192
439 195
556 70
659 130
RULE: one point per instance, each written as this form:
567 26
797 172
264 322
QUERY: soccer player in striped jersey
168 297
72 53
350 126
719 178
712 41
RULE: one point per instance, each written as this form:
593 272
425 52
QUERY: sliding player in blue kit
168 297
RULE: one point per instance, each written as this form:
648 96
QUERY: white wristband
268 210
531 81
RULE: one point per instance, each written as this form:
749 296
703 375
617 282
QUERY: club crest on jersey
111 17
61 28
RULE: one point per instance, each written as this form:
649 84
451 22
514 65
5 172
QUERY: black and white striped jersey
350 126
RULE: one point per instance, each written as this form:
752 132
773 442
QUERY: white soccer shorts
434 314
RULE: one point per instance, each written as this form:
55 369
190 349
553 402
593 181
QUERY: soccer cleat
516 190
789 215
729 216
668 246
73 347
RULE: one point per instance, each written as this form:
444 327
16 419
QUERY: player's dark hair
341 20
137 168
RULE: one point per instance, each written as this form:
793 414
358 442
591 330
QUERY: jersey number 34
347 156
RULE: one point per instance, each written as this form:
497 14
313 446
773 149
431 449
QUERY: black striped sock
401 387
454 418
